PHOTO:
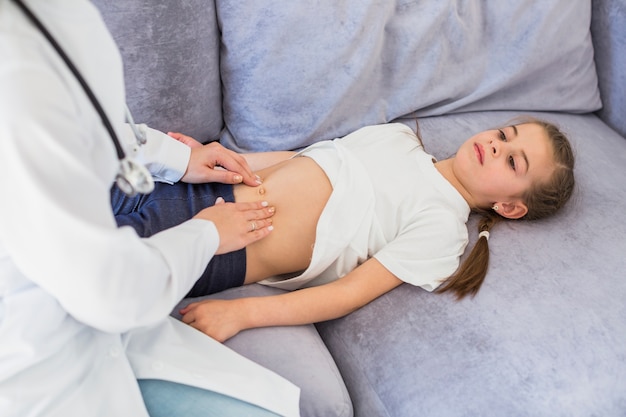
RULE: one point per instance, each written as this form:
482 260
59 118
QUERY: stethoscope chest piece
133 178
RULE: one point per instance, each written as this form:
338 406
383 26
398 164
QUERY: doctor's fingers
250 232
238 170
213 162
187 140
223 176
255 210
239 224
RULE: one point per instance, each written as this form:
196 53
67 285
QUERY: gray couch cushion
171 62
296 353
546 334
297 72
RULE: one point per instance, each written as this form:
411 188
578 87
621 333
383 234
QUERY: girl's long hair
542 200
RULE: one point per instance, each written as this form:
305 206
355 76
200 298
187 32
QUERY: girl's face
497 167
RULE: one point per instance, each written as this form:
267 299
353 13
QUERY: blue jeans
170 399
169 205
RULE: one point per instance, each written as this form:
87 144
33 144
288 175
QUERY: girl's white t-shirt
389 202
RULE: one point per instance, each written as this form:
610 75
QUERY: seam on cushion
330 360
369 381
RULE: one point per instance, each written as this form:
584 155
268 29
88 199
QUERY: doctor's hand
238 224
214 163
220 319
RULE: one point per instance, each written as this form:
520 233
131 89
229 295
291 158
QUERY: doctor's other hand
214 163
238 224
220 319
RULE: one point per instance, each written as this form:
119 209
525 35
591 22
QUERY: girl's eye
502 135
512 162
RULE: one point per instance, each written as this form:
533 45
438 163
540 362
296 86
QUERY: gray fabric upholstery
171 62
296 353
608 27
546 334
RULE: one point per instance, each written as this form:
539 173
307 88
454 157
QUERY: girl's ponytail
542 200
471 274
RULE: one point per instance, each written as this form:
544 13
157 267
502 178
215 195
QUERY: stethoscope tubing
92 97
132 177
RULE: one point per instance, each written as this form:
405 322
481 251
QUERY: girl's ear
512 210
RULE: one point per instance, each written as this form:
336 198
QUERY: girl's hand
238 224
220 319
214 163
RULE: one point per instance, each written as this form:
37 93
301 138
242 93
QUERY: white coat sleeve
56 168
165 157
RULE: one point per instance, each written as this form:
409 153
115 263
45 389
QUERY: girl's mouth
480 153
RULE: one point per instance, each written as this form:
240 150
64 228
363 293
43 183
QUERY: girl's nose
495 148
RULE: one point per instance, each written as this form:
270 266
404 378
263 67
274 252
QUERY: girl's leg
223 272
166 399
169 205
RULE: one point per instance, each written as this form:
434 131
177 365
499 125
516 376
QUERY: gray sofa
546 335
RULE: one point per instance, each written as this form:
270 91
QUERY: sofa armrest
608 31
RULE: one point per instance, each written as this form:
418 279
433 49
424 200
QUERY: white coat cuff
165 157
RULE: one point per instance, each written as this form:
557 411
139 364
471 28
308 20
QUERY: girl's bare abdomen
299 189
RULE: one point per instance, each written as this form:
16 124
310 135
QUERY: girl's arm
222 319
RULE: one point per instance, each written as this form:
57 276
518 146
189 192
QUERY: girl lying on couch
357 216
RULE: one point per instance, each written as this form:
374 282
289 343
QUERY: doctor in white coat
84 305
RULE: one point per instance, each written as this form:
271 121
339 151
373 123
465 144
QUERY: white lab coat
84 305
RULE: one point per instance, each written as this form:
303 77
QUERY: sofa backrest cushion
608 30
171 62
295 72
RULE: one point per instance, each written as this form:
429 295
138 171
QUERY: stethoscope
132 177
